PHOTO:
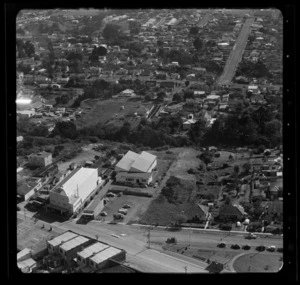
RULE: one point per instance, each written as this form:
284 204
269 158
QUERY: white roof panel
105 254
62 238
143 162
127 160
91 250
73 243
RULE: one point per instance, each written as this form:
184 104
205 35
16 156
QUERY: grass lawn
103 111
258 263
163 212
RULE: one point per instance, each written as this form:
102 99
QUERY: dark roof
25 188
231 210
203 209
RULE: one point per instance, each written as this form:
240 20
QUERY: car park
246 247
260 248
221 245
235 246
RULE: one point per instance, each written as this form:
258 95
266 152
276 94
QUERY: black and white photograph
149 140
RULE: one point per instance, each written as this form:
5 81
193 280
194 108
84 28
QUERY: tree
206 157
161 95
65 129
246 167
160 43
111 32
194 31
236 169
177 97
198 44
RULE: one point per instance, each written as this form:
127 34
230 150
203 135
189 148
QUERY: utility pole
148 236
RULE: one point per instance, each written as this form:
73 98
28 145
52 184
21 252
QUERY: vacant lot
202 254
182 207
258 263
80 158
104 111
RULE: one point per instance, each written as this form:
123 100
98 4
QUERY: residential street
236 53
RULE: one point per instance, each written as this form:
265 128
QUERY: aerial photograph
149 140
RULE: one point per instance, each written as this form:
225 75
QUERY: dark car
260 248
271 248
235 246
246 247
279 249
221 245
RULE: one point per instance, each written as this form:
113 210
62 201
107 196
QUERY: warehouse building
136 168
102 258
75 191
53 245
90 251
69 249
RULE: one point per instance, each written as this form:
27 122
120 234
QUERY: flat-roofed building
69 249
53 245
42 158
102 259
73 192
90 251
136 168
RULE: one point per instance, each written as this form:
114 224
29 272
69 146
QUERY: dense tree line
257 127
25 49
253 69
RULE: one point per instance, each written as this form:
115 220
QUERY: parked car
126 206
109 194
279 249
221 245
103 214
260 248
271 248
235 246
250 236
171 240
118 216
123 211
246 247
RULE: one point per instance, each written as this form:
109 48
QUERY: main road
236 53
150 257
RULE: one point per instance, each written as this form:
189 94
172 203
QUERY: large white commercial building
136 168
71 194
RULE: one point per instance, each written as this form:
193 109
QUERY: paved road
236 53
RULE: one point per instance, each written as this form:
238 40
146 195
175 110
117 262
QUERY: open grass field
264 262
221 256
104 111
